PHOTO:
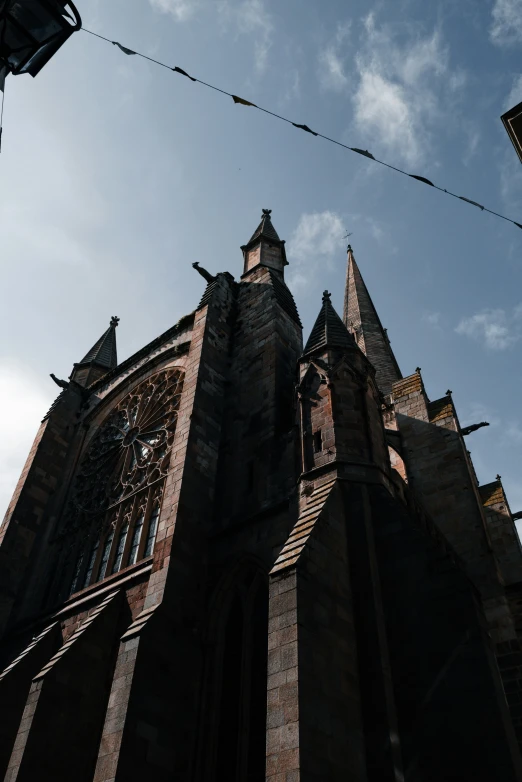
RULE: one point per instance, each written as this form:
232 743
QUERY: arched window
117 492
237 699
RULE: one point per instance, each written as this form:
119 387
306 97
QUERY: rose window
132 447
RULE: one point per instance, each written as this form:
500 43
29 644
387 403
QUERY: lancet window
118 490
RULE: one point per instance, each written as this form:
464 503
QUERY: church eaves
329 331
361 320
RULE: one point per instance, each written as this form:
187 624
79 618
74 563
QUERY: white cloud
514 432
433 319
475 412
27 402
250 17
493 327
318 236
293 91
181 10
246 16
382 106
401 88
331 60
472 146
515 95
506 27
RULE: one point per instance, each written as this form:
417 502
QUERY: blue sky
116 175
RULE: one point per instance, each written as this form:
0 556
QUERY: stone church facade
234 558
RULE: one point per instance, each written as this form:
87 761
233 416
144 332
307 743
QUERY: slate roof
284 297
441 409
103 352
492 493
329 330
303 528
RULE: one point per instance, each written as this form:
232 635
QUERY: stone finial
349 248
418 370
326 296
266 213
499 478
449 392
114 321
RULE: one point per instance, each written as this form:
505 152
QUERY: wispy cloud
400 87
475 412
245 16
332 61
472 146
27 402
494 328
251 17
181 10
316 239
515 95
433 319
506 26
514 432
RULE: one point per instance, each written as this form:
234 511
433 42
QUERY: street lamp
512 120
32 31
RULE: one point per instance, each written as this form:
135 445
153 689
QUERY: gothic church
232 558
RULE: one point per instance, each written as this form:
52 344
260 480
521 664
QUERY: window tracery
117 492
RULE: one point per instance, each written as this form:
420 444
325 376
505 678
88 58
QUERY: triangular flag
421 179
243 102
123 48
363 152
304 127
183 73
471 202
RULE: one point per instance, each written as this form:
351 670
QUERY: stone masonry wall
32 502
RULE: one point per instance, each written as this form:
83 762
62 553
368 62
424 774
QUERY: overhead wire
306 128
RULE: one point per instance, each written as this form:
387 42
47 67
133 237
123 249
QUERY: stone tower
230 558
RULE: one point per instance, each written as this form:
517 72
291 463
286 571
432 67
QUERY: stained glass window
122 537
105 555
138 527
117 492
90 566
153 528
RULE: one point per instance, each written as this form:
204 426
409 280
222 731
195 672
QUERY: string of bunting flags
306 128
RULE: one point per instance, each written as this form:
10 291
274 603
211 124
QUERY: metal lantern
512 120
32 31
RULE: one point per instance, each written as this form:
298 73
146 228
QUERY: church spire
100 359
361 319
264 247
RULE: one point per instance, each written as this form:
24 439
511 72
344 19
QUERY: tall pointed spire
361 319
264 247
329 331
100 359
